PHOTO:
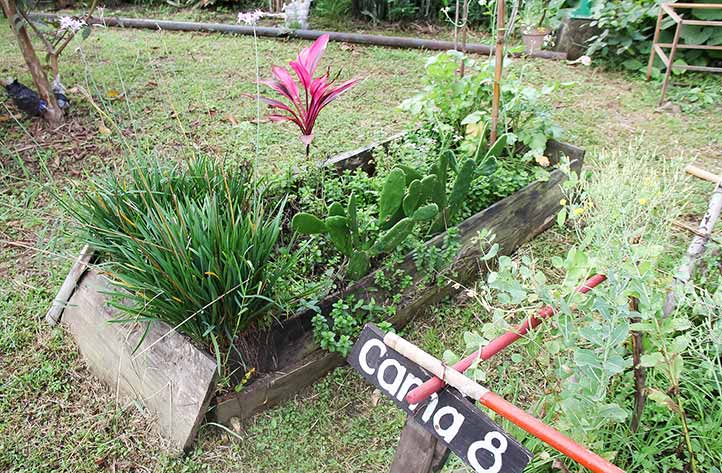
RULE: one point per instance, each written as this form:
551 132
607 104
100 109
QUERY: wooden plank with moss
160 368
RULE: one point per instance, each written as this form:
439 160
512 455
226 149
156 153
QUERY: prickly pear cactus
392 195
308 224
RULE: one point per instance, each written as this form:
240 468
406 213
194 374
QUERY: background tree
55 38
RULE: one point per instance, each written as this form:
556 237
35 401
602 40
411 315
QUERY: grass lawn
168 91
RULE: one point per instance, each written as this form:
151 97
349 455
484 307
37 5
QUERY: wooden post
496 99
670 65
652 53
418 450
53 113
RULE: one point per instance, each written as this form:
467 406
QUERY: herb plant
621 217
455 109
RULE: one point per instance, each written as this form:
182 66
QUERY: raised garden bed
175 381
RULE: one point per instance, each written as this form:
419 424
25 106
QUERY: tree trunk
356 8
53 114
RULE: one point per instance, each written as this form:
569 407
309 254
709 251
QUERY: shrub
627 29
621 213
456 110
194 246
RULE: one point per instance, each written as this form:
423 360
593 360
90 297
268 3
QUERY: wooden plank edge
68 288
364 153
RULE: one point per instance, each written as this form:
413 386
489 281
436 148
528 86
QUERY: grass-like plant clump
194 245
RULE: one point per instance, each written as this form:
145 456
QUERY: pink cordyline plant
317 91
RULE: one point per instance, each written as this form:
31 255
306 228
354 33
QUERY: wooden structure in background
658 48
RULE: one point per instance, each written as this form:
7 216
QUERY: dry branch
53 113
640 374
695 251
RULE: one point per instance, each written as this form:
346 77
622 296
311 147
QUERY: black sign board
448 415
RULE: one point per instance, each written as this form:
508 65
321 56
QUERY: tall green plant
452 106
194 246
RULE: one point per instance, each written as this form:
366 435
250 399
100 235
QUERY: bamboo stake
529 423
695 250
703 173
499 64
465 21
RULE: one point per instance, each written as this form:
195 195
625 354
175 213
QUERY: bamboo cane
499 64
703 173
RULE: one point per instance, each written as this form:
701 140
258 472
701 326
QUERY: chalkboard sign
448 415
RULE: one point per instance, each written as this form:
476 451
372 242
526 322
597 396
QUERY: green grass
54 416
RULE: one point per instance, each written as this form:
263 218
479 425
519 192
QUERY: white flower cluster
250 18
71 24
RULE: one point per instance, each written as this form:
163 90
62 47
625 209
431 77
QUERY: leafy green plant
453 106
621 217
194 246
334 333
342 225
332 9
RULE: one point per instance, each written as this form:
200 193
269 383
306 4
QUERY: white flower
586 60
250 18
70 24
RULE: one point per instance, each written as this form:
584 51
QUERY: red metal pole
548 435
495 346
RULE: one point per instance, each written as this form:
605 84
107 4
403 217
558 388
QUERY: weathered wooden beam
69 285
173 380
